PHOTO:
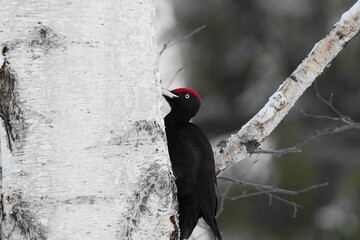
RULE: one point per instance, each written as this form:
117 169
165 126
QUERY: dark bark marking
251 145
2 214
292 77
340 35
153 180
22 219
148 128
222 144
10 112
44 37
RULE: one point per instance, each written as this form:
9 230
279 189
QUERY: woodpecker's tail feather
214 228
186 228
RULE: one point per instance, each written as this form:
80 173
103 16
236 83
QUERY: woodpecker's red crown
184 103
186 90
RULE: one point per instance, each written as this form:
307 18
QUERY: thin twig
298 147
349 124
344 118
320 116
222 201
177 72
197 30
270 191
168 44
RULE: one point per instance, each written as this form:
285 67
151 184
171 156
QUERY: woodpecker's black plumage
192 162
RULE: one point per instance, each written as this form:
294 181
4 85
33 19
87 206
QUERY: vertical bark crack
10 112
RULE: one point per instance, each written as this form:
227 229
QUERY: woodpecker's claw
168 94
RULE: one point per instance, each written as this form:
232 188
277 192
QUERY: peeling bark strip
264 122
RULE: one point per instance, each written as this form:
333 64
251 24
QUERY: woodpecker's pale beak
167 93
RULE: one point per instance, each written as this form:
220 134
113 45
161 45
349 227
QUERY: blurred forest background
245 52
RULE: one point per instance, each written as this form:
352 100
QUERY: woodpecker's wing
204 176
193 166
206 193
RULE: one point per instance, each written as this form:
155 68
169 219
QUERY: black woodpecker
192 161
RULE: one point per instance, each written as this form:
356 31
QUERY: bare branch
270 191
240 145
350 124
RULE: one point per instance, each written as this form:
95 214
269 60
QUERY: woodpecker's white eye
187 96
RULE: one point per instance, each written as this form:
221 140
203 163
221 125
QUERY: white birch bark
255 131
83 147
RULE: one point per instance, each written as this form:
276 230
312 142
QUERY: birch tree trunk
82 137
